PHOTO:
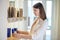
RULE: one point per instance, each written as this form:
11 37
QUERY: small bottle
14 30
8 32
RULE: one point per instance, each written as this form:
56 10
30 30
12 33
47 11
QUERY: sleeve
39 34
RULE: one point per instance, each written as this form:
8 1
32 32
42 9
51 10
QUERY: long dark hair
42 11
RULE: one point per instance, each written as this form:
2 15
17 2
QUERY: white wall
59 20
19 3
55 20
3 19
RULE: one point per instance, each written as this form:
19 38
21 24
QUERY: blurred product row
13 12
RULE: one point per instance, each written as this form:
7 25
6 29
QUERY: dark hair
42 11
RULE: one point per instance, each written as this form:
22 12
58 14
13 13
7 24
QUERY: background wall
3 19
55 21
59 20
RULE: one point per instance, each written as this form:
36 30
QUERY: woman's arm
22 32
26 36
19 36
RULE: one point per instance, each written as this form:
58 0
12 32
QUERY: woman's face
36 11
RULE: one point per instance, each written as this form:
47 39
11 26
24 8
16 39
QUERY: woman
38 29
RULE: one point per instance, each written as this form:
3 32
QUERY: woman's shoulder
46 21
43 21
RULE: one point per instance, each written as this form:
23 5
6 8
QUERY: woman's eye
34 10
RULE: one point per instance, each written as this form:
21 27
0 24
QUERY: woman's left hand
16 35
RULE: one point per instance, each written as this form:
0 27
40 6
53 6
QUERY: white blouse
40 30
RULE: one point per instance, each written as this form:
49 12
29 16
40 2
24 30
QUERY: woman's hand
16 35
19 36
